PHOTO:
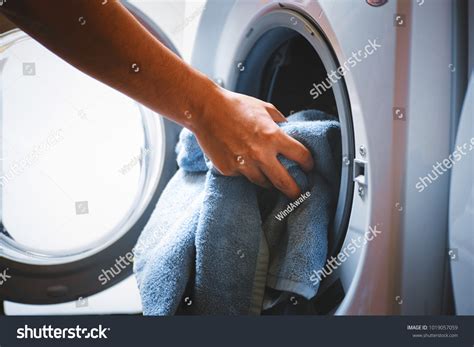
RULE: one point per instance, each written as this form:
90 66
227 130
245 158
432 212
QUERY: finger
296 151
225 171
281 179
255 175
276 115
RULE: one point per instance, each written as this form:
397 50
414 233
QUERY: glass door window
74 155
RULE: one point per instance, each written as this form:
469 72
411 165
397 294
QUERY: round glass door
74 156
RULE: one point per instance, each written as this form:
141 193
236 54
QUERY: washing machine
398 100
399 109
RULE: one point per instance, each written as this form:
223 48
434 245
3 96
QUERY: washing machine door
82 167
461 209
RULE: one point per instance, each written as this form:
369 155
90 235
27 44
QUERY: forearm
101 38
108 43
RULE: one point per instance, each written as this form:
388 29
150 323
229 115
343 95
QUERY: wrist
202 97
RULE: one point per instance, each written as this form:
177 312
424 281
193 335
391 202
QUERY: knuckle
227 171
257 155
253 154
281 183
272 135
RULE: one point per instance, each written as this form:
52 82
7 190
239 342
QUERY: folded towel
222 240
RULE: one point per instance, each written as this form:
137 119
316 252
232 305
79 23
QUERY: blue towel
215 243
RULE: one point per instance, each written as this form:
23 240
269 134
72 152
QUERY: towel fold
222 240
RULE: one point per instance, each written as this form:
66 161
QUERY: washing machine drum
279 62
280 66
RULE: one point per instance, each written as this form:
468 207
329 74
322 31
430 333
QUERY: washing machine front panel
429 129
178 19
381 95
461 211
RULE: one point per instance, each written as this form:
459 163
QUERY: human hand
239 135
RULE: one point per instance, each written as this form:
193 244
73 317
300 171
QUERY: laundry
216 238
